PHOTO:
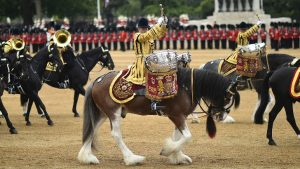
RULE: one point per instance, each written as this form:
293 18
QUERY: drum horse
186 87
270 62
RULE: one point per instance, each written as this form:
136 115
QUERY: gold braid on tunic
241 40
143 46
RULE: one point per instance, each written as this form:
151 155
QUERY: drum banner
161 86
248 65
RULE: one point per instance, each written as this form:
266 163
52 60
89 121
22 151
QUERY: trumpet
62 38
17 44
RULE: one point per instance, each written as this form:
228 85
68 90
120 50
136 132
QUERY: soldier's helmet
143 23
243 25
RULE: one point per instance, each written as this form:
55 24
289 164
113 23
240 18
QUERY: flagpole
98 9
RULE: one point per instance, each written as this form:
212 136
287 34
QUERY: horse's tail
264 100
211 128
23 100
90 118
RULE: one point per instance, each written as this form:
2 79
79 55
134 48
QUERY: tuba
62 38
17 44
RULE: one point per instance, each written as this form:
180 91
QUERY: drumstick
161 10
257 16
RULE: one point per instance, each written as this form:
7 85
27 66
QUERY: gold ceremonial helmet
62 38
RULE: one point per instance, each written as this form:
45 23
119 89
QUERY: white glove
259 23
162 20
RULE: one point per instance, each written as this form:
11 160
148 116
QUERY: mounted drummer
144 45
242 39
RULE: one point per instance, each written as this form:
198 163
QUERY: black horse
280 83
275 61
76 71
25 75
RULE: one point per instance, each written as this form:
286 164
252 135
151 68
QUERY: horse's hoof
76 115
180 158
195 121
169 148
258 121
42 115
134 159
28 123
272 143
13 131
24 114
50 123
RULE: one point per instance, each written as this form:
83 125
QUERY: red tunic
174 35
202 34
223 34
167 36
209 35
181 35
83 38
188 35
89 38
195 34
95 38
216 34
122 36
263 34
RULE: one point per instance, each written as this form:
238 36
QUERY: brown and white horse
218 91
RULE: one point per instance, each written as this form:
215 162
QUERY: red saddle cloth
122 91
295 85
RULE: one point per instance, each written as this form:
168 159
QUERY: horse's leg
25 108
93 118
171 146
85 154
40 112
75 100
12 129
288 106
269 106
272 116
179 157
28 123
40 104
256 106
129 157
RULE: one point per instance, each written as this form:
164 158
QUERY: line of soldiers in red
284 35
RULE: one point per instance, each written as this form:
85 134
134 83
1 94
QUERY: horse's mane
90 57
277 60
208 85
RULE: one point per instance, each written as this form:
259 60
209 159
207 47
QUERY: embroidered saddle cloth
295 85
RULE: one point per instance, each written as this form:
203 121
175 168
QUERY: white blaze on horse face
129 157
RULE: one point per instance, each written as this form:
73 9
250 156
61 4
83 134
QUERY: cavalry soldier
174 37
296 34
223 34
263 33
195 37
203 36
144 45
242 39
15 43
209 37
